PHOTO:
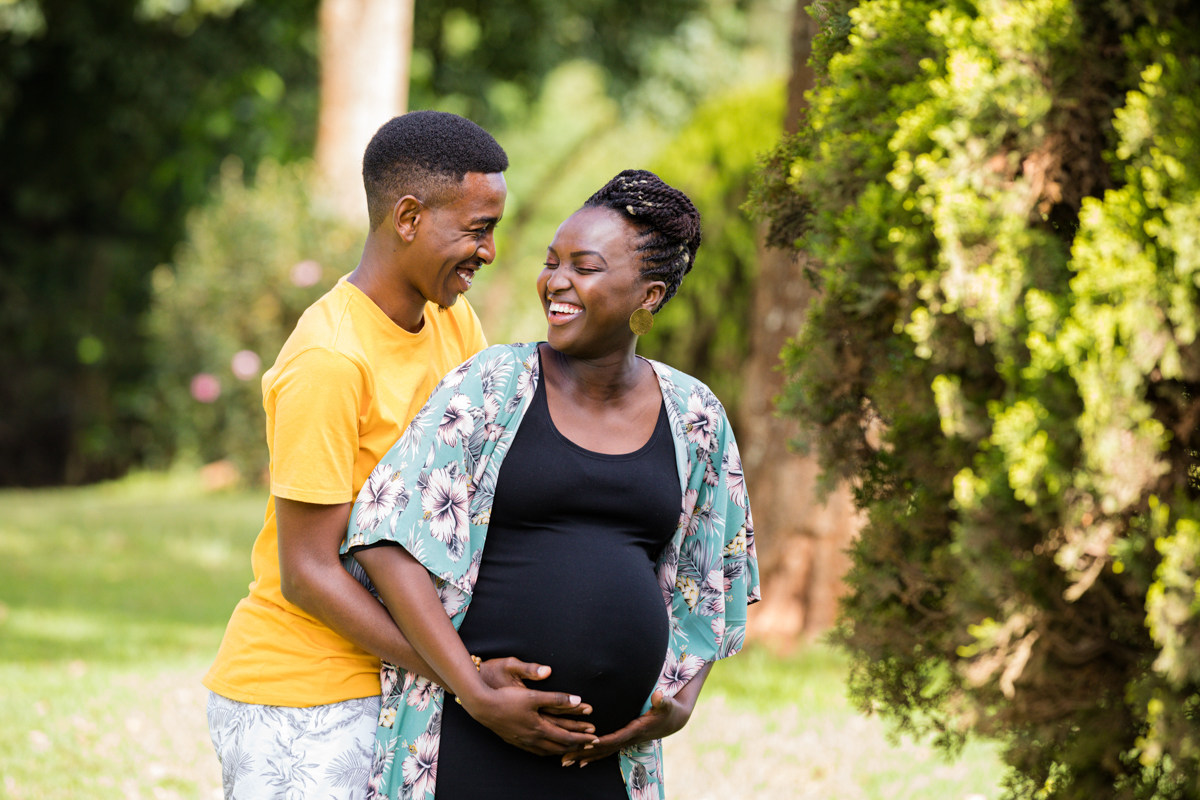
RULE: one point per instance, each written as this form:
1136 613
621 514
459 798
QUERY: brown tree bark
366 47
801 542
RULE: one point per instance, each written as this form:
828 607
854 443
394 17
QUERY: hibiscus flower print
420 694
387 717
735 481
526 381
456 420
677 672
700 421
453 598
668 568
383 491
689 505
420 768
445 501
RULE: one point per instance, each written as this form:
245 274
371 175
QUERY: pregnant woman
570 504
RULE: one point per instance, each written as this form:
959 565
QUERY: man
295 687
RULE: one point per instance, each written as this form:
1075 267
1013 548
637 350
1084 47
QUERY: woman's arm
667 715
512 712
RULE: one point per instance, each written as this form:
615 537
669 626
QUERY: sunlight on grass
113 599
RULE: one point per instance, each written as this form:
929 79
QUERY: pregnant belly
591 611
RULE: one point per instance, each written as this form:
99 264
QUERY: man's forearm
330 594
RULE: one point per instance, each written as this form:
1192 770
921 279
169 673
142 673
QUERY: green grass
113 599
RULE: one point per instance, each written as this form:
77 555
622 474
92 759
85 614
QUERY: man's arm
312 577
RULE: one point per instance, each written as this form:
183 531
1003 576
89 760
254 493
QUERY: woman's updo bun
669 223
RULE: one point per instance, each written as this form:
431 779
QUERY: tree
365 51
806 532
999 202
113 120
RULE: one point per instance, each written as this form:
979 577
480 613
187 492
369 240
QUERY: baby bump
590 608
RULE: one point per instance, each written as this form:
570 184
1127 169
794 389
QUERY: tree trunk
366 47
801 543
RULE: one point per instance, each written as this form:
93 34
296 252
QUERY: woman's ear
654 294
406 215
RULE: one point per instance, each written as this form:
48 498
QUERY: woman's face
592 282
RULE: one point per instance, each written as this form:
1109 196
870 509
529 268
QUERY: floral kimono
432 494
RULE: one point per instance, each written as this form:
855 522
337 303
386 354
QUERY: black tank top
567 579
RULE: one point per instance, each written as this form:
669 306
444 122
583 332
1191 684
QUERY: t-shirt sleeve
314 405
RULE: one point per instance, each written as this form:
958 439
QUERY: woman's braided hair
669 223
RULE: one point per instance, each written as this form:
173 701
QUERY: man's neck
378 277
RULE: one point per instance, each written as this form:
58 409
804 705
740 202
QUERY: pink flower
305 274
205 387
245 364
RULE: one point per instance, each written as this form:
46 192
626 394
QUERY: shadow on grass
147 567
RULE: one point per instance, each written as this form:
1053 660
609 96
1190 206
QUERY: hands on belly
667 715
532 727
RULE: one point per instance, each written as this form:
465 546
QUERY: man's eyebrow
595 253
485 221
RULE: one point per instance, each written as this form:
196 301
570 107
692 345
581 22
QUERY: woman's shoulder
682 383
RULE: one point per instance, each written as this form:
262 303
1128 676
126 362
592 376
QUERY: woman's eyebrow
596 253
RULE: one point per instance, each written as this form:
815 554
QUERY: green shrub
253 260
1002 203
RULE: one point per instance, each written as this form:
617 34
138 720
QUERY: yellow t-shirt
345 386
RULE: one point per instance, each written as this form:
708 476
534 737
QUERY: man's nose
486 251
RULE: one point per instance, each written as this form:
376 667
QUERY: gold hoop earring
641 321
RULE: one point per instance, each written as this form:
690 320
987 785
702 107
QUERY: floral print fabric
280 753
432 494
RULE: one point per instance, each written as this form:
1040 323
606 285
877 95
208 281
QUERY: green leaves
1016 319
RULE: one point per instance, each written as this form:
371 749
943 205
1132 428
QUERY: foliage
254 259
487 60
112 122
1002 206
703 329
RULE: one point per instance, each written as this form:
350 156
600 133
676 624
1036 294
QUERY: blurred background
181 178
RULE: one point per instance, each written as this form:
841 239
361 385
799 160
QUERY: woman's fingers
560 703
574 725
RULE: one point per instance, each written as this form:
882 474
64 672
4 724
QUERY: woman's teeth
564 308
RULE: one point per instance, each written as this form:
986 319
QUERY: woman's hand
667 715
515 714
499 673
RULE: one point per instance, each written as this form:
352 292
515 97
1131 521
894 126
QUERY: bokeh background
948 293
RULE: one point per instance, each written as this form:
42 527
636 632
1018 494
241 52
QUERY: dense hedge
1001 200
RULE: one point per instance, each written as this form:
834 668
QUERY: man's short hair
425 154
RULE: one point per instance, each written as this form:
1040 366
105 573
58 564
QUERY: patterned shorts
282 753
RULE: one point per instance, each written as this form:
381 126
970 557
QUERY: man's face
456 239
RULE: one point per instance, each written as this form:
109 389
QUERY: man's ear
655 292
406 216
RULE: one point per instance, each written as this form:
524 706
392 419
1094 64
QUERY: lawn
112 603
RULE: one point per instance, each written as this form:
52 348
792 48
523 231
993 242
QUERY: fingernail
587 747
543 671
584 764
567 763
574 700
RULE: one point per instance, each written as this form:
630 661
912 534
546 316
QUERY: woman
617 531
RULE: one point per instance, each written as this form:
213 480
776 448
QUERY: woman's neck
602 380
